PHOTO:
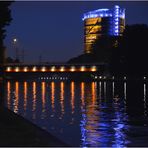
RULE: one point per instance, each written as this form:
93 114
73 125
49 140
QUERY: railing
55 64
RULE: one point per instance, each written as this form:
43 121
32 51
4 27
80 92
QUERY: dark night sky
55 29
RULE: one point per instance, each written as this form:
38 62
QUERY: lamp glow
34 69
93 68
43 69
72 68
53 68
17 69
82 68
8 69
25 69
62 69
14 40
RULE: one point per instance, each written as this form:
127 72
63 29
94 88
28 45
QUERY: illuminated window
88 48
89 37
92 29
91 21
122 29
122 21
95 29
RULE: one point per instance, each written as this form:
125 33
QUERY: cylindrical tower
102 22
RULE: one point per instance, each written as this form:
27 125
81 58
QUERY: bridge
54 71
53 68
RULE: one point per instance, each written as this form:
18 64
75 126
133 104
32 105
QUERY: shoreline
17 131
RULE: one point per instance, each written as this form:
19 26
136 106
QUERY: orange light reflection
62 97
16 97
72 96
82 93
93 93
43 96
8 94
34 100
25 95
52 94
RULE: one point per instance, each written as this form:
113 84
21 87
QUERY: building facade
102 22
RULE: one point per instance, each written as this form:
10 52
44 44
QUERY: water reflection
16 97
125 88
113 89
62 98
93 93
119 127
72 91
102 128
92 112
90 119
145 105
82 95
34 100
86 109
8 94
100 90
25 95
105 90
52 95
43 90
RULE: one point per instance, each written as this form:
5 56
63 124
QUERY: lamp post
15 42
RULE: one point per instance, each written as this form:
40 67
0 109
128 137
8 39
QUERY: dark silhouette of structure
125 55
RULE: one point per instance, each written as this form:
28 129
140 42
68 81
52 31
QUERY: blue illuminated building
102 22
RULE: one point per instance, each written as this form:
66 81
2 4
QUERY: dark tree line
11 60
131 55
5 19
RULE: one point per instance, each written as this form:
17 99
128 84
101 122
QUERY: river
85 114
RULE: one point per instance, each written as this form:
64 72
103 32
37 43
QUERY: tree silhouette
5 19
131 56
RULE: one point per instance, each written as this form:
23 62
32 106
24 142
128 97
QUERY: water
84 114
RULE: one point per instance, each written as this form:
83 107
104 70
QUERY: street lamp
15 41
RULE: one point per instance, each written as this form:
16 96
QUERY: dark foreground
16 131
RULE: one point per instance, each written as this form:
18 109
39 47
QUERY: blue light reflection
103 123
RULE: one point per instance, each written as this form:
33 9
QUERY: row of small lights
104 77
116 21
100 77
96 15
102 13
44 69
53 78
